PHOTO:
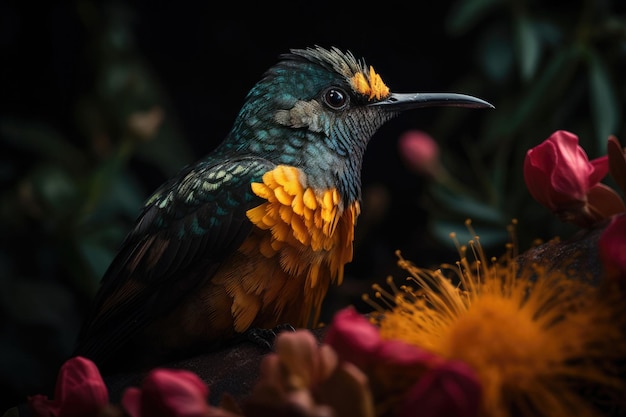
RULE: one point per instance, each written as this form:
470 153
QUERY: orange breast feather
302 241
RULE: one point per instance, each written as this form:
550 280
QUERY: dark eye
336 98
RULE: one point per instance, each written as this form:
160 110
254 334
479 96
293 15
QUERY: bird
252 235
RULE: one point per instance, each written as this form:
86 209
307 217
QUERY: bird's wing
183 234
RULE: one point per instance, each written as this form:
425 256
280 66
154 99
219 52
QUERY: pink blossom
353 337
448 390
560 176
420 152
79 391
168 393
418 379
612 248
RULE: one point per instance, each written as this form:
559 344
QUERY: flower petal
42 406
79 391
396 352
600 169
559 175
353 337
617 162
172 392
348 392
450 390
572 169
612 249
80 388
420 152
298 352
604 202
131 401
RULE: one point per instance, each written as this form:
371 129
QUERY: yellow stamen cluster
538 338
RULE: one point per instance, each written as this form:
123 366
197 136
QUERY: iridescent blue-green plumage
253 234
334 143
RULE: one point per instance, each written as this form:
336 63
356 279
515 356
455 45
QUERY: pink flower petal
81 388
358 341
420 151
131 401
559 175
79 391
42 406
600 169
573 169
612 248
168 393
399 353
450 390
353 337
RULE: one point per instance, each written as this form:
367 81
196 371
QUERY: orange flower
543 341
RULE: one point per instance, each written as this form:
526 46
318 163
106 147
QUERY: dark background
74 169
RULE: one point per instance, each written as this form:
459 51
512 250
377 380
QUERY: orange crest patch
370 85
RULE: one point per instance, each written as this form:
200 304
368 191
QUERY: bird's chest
301 240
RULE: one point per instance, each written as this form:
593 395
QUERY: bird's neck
327 162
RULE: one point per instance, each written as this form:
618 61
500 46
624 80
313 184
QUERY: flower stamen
537 336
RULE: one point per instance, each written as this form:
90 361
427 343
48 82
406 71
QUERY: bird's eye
336 98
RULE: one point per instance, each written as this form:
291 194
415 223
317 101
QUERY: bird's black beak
399 102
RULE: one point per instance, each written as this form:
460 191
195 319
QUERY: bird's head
318 108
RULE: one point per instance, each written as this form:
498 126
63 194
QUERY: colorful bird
251 236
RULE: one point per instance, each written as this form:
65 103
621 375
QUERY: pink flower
560 176
357 340
449 390
407 377
79 391
168 392
617 162
612 249
420 152
354 337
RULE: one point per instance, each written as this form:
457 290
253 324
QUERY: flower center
496 335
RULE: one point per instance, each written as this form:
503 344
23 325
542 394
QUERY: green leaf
126 195
554 79
490 236
40 139
466 13
468 207
55 188
604 105
496 54
529 46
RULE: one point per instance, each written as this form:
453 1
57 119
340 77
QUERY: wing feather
183 234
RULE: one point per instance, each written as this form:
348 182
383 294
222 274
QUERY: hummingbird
253 235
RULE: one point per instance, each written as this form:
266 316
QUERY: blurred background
101 101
